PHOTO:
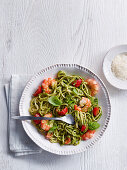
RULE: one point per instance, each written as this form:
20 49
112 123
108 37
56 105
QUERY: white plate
114 81
40 139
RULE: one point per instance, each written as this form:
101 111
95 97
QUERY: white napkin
19 142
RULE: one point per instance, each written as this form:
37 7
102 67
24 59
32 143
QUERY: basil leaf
94 101
93 125
52 129
70 102
77 91
54 101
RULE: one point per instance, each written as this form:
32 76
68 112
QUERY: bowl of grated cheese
115 67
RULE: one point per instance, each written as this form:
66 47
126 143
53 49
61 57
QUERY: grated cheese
119 66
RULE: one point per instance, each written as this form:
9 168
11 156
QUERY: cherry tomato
37 121
95 111
63 112
67 141
83 128
77 83
38 91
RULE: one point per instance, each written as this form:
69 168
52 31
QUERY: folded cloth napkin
19 142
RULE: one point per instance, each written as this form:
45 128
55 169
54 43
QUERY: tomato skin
63 112
67 141
37 121
95 111
38 91
77 108
83 128
77 83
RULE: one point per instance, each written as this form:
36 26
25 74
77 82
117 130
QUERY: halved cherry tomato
38 91
77 107
95 111
37 121
83 128
67 141
89 134
77 83
63 112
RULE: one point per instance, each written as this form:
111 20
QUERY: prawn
47 83
44 123
89 134
85 103
77 108
93 85
49 135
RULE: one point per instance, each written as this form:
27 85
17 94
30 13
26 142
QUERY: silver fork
68 118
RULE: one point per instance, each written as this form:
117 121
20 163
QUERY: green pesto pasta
66 94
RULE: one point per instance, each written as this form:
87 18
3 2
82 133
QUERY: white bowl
114 81
40 139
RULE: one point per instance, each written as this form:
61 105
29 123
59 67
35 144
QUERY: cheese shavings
119 66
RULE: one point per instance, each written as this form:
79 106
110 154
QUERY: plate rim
105 56
106 120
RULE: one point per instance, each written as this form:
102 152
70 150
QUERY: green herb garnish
93 125
54 101
52 129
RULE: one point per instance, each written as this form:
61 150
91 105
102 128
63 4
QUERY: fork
68 118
